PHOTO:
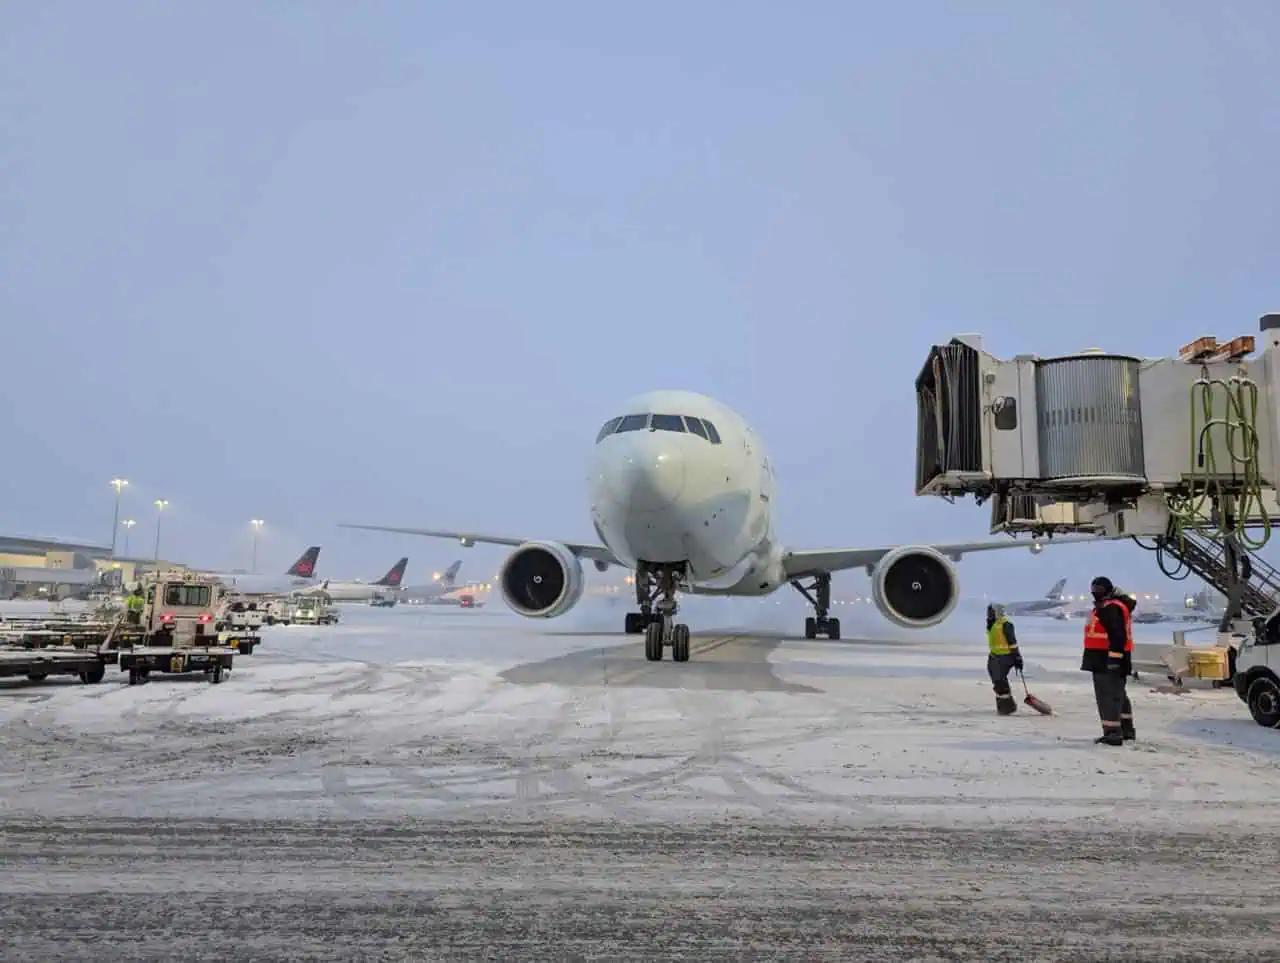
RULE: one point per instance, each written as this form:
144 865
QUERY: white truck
314 609
304 608
1257 673
279 610
240 620
179 632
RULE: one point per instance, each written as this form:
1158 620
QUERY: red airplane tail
305 567
394 577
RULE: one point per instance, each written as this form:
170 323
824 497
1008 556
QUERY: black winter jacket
1095 660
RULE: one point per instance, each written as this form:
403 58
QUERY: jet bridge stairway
1250 582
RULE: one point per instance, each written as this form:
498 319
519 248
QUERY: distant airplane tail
451 573
305 567
394 577
1055 593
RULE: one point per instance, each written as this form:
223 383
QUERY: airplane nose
649 476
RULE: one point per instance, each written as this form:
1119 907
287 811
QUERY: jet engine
541 580
915 587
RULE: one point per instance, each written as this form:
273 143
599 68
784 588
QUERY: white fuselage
354 591
248 584
433 592
664 496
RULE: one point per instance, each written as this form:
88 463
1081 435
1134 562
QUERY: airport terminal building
43 568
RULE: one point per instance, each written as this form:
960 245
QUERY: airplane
1052 600
358 591
438 591
1150 610
300 574
682 493
1206 605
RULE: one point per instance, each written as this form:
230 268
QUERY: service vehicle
179 632
314 609
1257 674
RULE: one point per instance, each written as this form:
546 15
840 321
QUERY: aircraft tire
833 629
811 628
680 644
653 642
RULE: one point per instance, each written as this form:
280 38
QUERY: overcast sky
397 262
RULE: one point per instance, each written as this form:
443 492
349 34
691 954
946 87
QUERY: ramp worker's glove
1017 661
1115 662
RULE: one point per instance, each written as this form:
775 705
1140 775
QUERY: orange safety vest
1095 636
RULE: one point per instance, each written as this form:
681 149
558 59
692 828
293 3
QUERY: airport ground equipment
179 633
39 647
213 660
239 622
1182 454
279 610
37 664
245 613
314 609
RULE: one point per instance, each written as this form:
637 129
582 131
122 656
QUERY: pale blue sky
397 262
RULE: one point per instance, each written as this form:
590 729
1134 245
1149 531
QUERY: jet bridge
1181 453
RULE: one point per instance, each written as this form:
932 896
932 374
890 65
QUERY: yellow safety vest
135 603
996 640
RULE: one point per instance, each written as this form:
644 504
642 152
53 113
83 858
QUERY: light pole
119 484
127 524
257 524
161 504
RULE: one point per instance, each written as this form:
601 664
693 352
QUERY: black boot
1006 705
1110 737
1127 730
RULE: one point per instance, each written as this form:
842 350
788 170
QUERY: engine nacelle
541 580
915 587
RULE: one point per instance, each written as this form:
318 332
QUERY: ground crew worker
1002 658
1108 654
133 606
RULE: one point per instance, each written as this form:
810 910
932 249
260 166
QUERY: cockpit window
633 423
681 423
609 428
695 426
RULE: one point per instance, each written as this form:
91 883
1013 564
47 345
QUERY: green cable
1240 424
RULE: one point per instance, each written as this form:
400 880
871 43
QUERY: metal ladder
1259 594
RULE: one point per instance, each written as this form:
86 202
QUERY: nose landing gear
656 590
819 595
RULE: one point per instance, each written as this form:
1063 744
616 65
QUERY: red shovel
1039 705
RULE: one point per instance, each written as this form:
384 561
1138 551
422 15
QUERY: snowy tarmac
424 781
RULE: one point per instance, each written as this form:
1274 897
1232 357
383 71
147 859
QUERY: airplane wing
824 561
592 553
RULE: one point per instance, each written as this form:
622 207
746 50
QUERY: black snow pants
999 667
1114 708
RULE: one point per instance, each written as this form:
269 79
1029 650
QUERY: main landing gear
656 596
819 595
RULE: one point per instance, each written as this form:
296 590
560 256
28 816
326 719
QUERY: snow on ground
429 783
434 712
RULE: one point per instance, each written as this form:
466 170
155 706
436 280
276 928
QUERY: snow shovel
1039 705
